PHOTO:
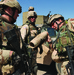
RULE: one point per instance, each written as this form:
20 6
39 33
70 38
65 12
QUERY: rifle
21 52
45 21
49 14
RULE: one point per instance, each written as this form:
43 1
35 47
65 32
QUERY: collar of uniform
5 20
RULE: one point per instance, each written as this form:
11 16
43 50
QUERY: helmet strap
14 11
3 12
9 16
58 25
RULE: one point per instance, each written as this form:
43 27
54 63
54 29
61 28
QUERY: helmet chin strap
58 25
10 16
3 12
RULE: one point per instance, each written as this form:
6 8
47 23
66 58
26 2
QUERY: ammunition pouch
70 52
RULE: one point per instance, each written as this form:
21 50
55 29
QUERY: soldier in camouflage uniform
28 32
57 22
9 10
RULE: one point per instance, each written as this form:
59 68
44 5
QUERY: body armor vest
5 46
4 26
33 31
65 38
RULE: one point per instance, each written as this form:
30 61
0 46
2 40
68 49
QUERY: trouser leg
34 67
34 64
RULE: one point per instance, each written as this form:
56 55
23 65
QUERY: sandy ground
40 72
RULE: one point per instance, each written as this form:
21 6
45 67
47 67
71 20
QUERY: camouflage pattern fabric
64 39
33 33
61 43
7 69
61 69
30 32
5 54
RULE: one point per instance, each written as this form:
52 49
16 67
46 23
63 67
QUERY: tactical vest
4 26
65 38
33 31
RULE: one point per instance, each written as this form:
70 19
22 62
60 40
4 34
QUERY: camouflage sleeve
24 31
70 24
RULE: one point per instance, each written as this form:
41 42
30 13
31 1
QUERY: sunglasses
58 19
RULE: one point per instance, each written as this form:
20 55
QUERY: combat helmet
53 17
12 4
31 8
31 13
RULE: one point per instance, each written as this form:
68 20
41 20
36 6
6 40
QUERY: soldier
28 32
9 10
31 8
59 55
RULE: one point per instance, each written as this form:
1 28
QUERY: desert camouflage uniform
61 43
6 54
62 40
28 32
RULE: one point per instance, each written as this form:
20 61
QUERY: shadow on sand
50 69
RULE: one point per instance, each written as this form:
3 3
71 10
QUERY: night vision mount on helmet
31 13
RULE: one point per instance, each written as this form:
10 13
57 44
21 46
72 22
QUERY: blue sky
42 7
